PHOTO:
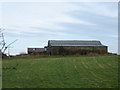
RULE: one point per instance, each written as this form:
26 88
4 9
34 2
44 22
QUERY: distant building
36 50
71 47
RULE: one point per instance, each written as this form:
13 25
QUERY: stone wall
82 50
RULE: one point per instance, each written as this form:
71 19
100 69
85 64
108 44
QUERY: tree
3 45
2 41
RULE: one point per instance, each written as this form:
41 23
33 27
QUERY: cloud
23 31
68 19
59 1
45 16
0 15
104 9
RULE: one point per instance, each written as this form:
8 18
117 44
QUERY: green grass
62 72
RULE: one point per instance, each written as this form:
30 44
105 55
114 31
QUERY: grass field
61 72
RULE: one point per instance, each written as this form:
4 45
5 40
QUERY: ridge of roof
72 40
74 43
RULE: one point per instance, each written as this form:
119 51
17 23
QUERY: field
61 72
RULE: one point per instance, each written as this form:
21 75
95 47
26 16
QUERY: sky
34 23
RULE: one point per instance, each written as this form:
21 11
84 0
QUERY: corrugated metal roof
74 43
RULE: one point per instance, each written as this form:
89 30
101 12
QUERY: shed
35 50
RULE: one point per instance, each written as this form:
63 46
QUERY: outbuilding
36 50
72 47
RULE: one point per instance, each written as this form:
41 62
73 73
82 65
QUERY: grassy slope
62 72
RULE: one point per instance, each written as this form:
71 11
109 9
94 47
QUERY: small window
33 49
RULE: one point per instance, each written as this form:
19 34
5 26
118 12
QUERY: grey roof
74 43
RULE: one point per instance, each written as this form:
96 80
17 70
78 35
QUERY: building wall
71 50
35 50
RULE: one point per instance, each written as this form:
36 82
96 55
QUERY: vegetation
61 72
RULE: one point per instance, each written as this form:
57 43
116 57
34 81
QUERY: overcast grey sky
33 24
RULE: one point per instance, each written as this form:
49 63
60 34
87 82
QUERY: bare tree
8 45
3 45
2 41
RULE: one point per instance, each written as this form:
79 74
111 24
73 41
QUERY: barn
72 47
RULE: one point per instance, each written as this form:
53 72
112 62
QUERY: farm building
36 50
71 47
